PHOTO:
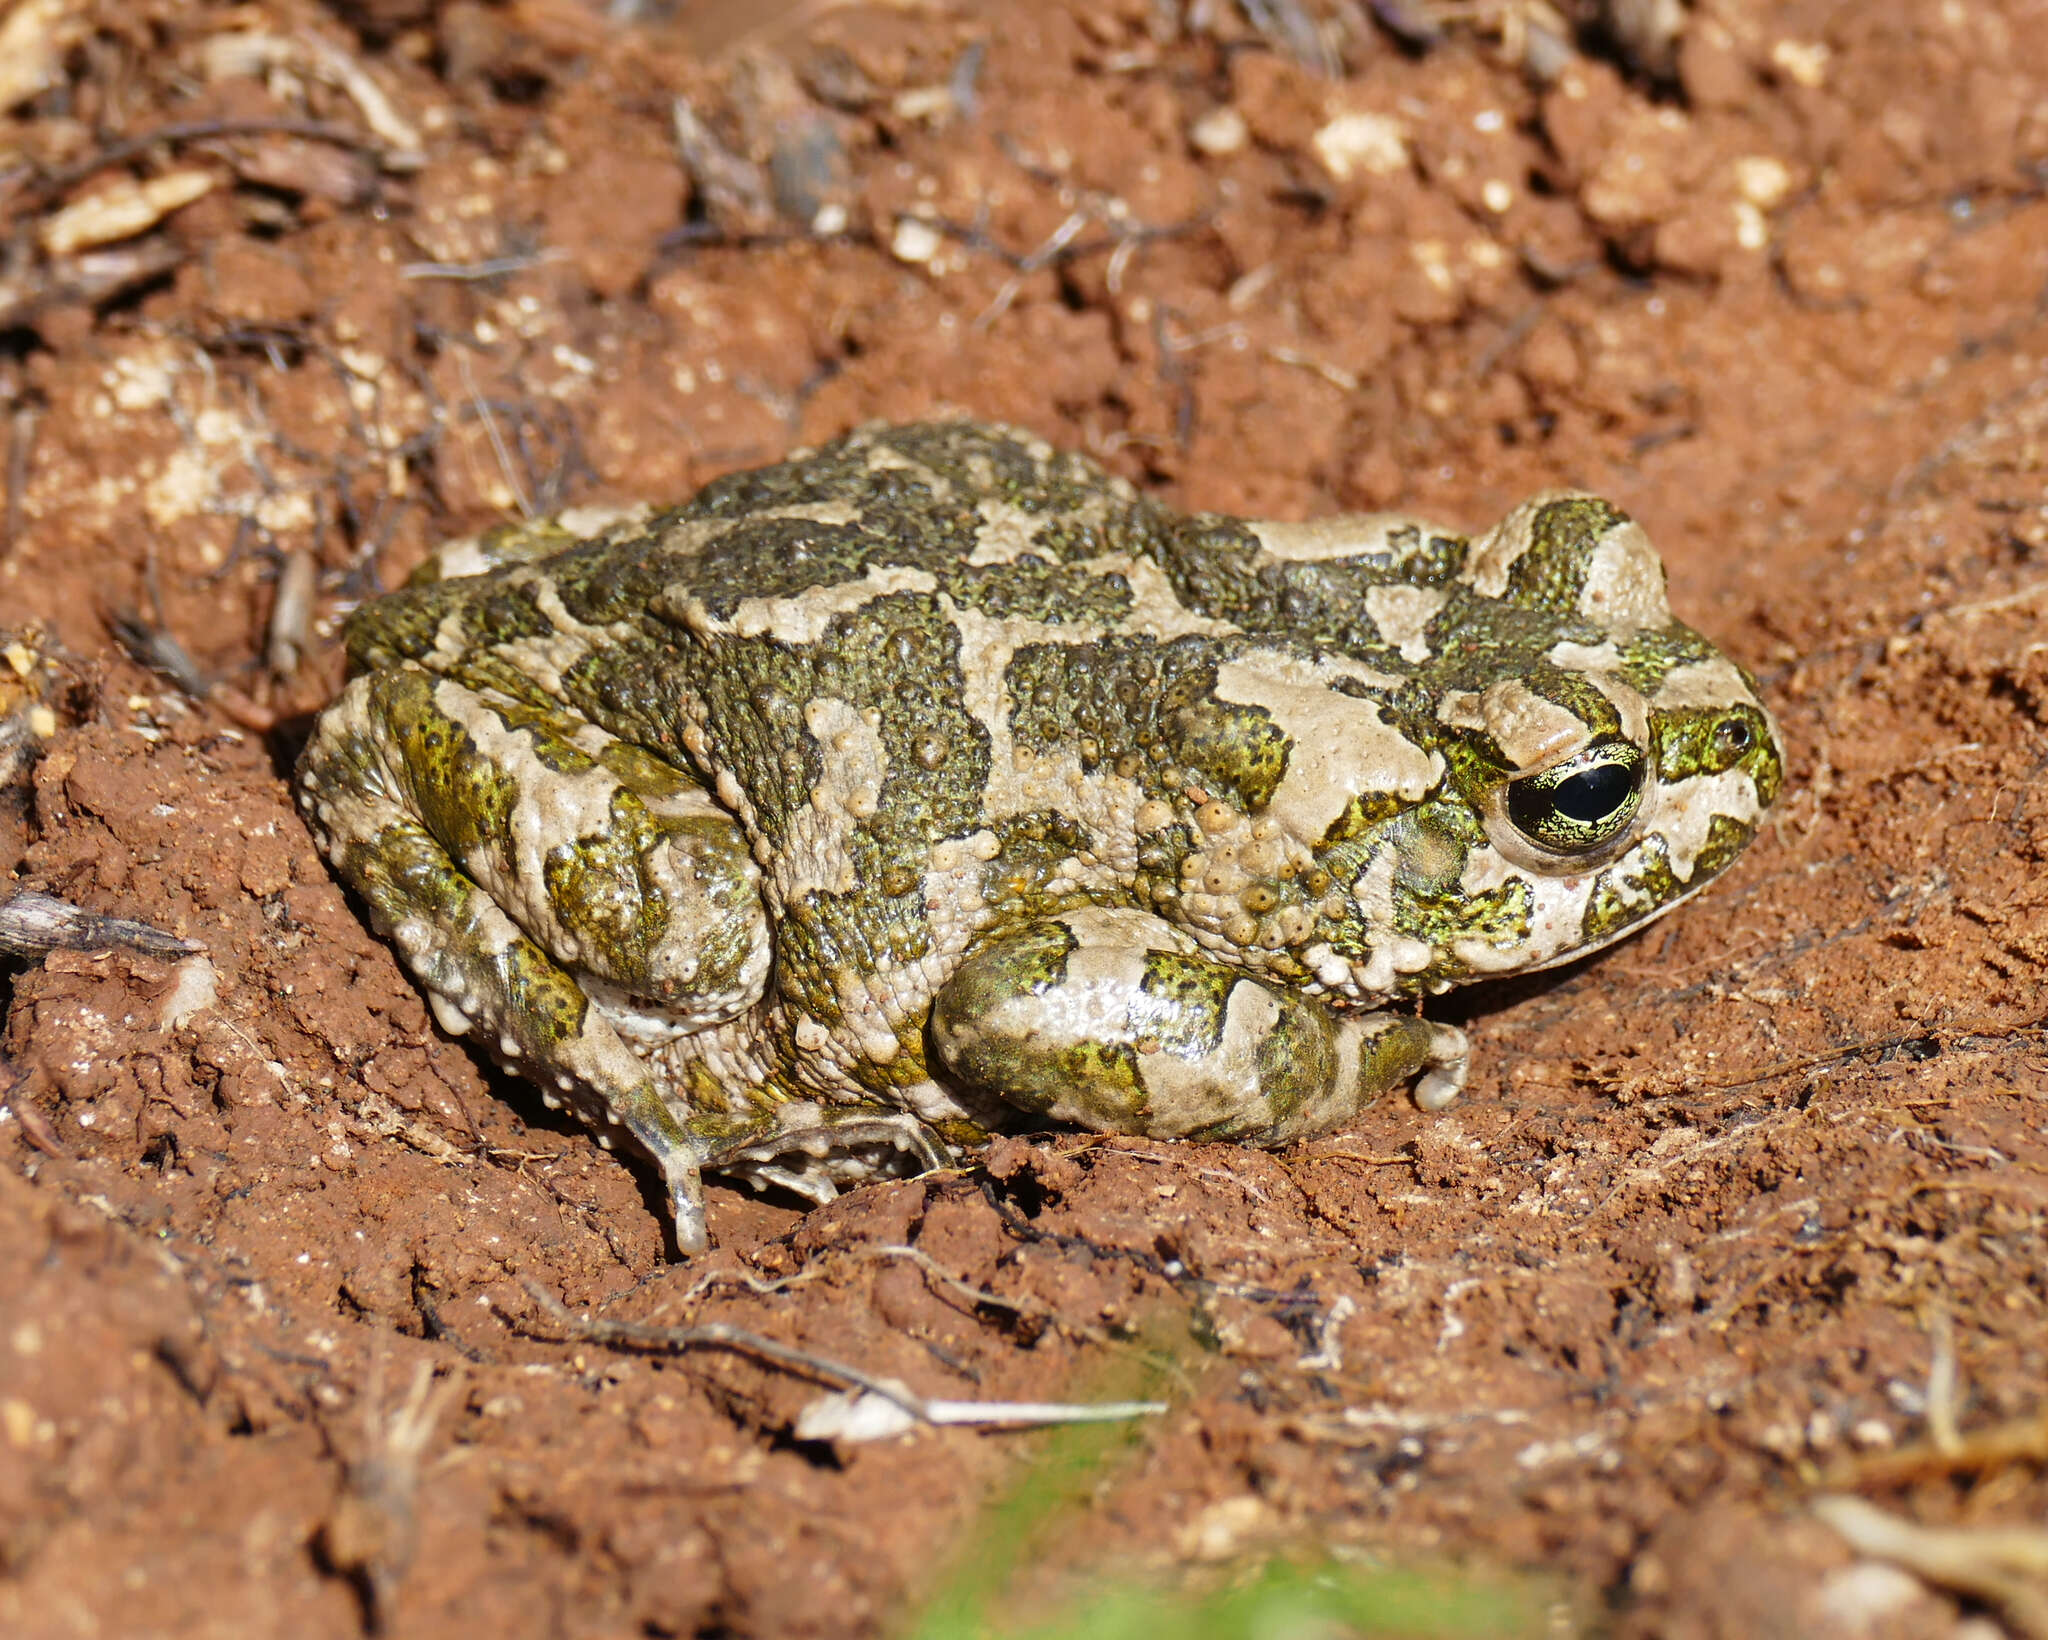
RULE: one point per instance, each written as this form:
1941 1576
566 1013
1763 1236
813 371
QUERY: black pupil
1735 736
1593 794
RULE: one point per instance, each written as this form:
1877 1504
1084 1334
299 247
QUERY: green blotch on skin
1687 742
1648 658
1726 838
402 625
780 557
1472 757
600 890
1032 1074
636 688
1218 569
1551 573
1032 589
1390 1057
510 611
1025 961
404 872
1433 843
1621 897
548 731
644 772
1104 1076
1575 692
463 798
1017 884
612 581
717 1129
1114 704
545 1004
1296 1059
1499 917
1363 815
1182 1003
1237 749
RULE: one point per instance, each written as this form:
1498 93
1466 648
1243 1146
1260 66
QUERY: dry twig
32 925
882 1406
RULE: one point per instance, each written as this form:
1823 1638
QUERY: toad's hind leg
1115 1021
530 869
619 866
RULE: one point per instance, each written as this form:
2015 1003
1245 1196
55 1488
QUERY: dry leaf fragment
254 54
121 210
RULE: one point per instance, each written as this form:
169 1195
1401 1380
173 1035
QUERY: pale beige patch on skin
1403 614
884 458
1708 683
1342 748
1571 656
1343 535
818 849
1624 590
1494 554
1393 956
1533 733
1627 702
1020 781
599 518
1186 1096
1006 533
545 658
553 806
1557 912
802 619
1683 812
1156 610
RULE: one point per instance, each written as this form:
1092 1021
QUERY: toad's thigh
622 869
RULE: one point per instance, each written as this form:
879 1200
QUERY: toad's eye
1584 803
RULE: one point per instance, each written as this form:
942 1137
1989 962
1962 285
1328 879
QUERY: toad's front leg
1114 1020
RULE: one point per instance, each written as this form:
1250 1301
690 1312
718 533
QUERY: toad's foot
815 1159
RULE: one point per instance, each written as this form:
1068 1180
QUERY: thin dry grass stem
2015 1441
1943 1384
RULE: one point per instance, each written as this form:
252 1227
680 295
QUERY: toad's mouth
1362 986
1616 936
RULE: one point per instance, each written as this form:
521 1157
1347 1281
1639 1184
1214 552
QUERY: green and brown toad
937 781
